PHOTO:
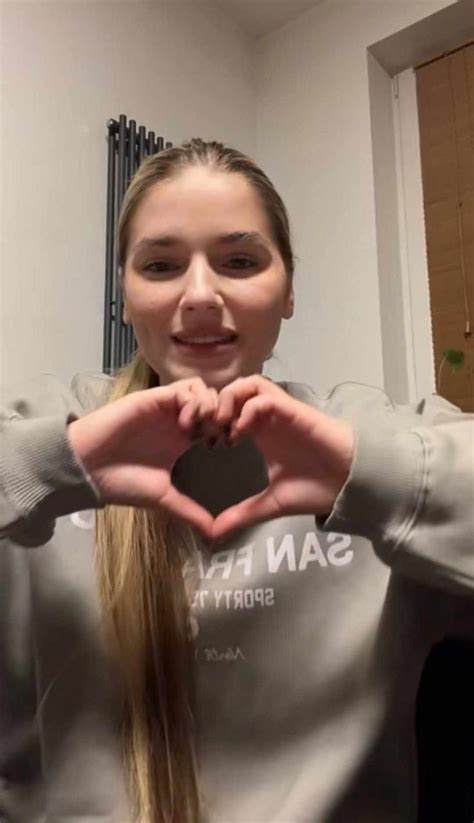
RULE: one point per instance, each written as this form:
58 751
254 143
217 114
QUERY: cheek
262 308
146 304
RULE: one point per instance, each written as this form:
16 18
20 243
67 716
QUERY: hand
130 445
308 453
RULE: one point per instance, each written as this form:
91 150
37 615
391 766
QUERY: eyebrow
165 240
235 236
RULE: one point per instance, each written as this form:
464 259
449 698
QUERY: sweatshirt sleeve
41 477
410 491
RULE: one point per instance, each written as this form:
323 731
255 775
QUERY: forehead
198 204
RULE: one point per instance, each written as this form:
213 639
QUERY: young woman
272 567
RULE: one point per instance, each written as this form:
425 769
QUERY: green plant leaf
455 358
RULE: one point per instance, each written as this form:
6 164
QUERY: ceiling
434 35
258 17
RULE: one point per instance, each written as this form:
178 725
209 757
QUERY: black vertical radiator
127 147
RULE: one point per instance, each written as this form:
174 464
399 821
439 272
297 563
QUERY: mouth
205 343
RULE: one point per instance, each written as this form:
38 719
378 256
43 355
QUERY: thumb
254 509
184 508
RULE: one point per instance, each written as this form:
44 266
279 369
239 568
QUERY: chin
215 377
218 381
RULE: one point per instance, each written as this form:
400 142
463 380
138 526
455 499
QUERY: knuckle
265 384
182 393
261 399
239 381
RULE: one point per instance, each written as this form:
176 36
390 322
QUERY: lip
193 338
185 345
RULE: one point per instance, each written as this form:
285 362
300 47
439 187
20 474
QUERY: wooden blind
445 91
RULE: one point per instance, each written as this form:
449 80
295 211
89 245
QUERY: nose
201 289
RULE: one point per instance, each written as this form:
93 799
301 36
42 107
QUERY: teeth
205 339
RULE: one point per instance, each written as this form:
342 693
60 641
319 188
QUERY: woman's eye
242 263
161 266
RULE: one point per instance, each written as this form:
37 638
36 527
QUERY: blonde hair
139 559
141 553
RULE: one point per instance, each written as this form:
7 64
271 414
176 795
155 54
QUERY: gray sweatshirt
310 633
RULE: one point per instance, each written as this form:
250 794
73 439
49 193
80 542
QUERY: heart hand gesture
129 448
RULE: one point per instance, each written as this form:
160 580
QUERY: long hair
141 554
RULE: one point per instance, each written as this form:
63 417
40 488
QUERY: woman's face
205 286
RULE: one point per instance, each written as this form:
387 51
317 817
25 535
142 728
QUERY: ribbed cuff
40 473
383 492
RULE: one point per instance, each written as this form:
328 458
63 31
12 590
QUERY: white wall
314 140
67 67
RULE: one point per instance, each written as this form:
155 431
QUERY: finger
187 414
187 509
197 417
255 411
233 396
165 397
225 408
208 402
255 509
174 394
194 387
